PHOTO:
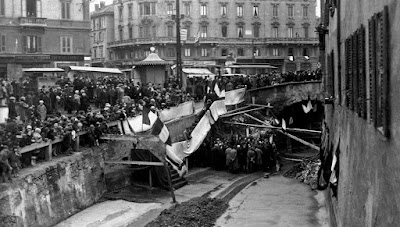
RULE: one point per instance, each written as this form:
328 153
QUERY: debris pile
200 211
306 171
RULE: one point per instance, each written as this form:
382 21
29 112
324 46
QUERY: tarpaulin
184 109
235 96
135 124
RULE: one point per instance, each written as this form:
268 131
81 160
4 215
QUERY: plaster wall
368 189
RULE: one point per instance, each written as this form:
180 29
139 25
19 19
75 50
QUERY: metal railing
33 21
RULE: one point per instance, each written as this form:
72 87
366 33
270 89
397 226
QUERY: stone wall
287 94
52 191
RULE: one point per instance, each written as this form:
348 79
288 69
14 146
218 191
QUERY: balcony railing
33 22
216 40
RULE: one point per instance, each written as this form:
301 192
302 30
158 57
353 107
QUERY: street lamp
178 45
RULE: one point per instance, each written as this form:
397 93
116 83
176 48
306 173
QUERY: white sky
111 1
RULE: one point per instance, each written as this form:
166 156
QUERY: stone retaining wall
52 191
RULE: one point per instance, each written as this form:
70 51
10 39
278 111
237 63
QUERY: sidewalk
276 201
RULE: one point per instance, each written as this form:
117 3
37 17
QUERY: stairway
177 181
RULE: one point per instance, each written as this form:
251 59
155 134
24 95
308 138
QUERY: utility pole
178 45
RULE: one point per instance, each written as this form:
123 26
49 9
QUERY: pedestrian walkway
276 201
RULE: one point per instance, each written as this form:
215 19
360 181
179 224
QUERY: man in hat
41 109
12 111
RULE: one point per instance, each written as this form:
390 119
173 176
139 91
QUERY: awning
43 70
253 66
95 69
198 72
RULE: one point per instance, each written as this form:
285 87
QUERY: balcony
33 22
213 40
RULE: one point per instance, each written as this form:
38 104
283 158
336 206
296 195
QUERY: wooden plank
274 127
238 109
34 146
260 105
142 163
300 140
240 112
49 152
171 189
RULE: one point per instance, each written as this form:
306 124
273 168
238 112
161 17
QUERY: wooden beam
141 163
240 112
171 189
300 140
238 109
119 138
260 105
272 127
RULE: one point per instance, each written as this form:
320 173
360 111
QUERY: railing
138 41
33 21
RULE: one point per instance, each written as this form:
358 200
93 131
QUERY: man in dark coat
12 111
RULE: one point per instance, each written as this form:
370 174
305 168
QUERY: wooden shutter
24 44
2 43
2 6
362 74
39 44
350 78
354 65
332 73
372 70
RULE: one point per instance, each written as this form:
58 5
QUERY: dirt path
275 201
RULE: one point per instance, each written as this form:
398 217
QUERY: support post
150 178
169 181
49 151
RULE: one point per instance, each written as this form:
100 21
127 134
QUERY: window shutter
332 73
2 43
362 74
39 44
24 44
372 70
2 6
350 76
384 71
63 10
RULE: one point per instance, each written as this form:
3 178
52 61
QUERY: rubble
200 211
306 171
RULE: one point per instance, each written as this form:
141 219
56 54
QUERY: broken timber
273 127
241 112
144 163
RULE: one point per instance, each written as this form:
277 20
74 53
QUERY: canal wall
52 191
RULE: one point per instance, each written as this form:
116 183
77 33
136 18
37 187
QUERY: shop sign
67 57
32 58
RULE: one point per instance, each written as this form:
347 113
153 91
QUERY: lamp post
178 45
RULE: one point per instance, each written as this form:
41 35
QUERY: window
32 44
305 32
203 10
203 32
290 11
94 52
32 8
290 51
101 52
146 31
224 52
170 52
121 34
223 11
239 11
101 36
224 31
256 31
170 9
2 43
102 23
187 27
140 32
65 10
305 52
256 51
204 52
290 32
170 31
255 11
187 52
130 13
240 31
275 10
275 52
130 32
186 8
275 32
147 8
95 37
120 9
66 44
305 11
154 31
2 7
240 52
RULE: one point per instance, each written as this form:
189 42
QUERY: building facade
362 124
102 33
42 33
256 31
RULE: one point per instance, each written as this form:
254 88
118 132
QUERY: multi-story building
362 121
42 33
255 31
102 33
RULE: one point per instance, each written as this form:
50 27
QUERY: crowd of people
238 154
64 110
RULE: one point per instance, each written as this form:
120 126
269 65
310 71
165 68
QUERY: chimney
102 5
96 7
